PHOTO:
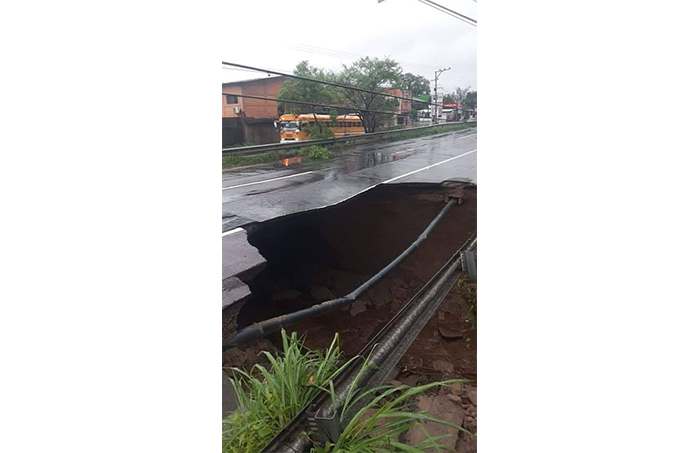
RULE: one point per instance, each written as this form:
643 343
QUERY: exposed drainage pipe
264 328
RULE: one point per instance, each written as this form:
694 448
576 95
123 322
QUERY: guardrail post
468 260
327 429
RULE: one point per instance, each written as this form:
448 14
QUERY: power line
330 106
449 12
307 79
445 12
293 76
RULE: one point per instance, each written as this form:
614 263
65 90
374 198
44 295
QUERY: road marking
267 180
396 178
399 177
426 168
233 231
466 136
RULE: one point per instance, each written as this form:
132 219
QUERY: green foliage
374 75
385 412
466 97
301 90
233 160
269 397
408 133
416 84
368 73
334 117
317 152
318 132
470 101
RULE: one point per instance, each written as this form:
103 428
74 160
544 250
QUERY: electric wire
449 12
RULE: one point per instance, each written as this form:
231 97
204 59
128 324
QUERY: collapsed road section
313 257
300 261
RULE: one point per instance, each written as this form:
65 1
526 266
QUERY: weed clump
317 152
269 397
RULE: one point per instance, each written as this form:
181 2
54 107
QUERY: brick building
404 107
246 120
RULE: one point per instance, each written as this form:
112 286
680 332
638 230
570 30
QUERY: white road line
428 167
233 231
466 136
267 180
396 178
400 177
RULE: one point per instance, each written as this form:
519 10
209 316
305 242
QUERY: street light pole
435 96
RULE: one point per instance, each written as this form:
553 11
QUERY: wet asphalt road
274 190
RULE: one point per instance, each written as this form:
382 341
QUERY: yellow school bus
291 126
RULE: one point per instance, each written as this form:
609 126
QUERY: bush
317 152
318 132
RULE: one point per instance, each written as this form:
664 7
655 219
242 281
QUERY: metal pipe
264 328
392 342
386 347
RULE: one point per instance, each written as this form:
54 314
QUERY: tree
470 101
416 84
305 91
449 99
374 75
466 98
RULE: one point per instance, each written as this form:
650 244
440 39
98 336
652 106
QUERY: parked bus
291 126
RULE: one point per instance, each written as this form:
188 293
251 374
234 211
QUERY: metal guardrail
243 150
391 344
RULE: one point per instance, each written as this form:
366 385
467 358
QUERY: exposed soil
327 253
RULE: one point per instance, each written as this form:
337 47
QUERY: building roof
239 82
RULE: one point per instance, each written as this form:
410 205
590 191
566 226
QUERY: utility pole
435 95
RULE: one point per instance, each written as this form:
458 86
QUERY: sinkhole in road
326 253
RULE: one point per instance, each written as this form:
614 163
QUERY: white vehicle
424 117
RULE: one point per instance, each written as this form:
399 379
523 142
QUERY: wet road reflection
280 188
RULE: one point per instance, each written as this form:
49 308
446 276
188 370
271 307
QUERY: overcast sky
329 33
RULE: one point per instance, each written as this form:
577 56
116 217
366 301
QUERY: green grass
270 396
431 131
240 145
385 412
316 152
233 161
